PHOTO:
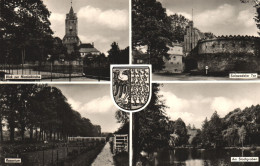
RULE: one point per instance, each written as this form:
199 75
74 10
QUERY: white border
111 87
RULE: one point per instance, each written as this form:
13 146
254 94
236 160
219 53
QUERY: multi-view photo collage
129 82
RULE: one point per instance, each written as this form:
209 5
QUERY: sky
221 17
99 21
92 101
193 102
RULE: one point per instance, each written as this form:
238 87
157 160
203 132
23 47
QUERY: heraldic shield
131 86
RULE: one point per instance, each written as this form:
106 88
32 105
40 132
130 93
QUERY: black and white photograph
62 40
62 124
198 124
197 40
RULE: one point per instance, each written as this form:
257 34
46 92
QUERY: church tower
71 39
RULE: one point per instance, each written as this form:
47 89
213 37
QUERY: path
105 157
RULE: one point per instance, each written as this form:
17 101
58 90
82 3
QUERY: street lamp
49 58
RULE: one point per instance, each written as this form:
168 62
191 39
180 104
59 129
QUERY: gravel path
105 157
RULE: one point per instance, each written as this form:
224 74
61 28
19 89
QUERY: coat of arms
131 86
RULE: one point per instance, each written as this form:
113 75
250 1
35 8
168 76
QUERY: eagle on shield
131 86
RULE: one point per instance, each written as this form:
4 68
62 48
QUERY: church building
71 39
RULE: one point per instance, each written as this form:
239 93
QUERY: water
202 157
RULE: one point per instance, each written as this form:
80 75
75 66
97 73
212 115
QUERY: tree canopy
43 111
152 28
149 126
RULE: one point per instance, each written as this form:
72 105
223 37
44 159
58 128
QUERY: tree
152 28
242 134
179 24
257 6
114 53
10 97
205 131
230 135
180 130
209 35
124 56
24 23
257 18
32 107
189 127
75 54
215 128
150 126
193 127
123 118
58 49
197 139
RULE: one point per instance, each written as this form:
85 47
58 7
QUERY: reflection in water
201 157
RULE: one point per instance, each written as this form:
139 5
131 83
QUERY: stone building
229 53
174 63
87 49
229 44
71 39
191 38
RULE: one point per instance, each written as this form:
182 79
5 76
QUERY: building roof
71 11
87 48
86 45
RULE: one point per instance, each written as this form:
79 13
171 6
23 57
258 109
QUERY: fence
47 70
120 143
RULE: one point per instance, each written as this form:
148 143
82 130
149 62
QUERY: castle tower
71 39
191 38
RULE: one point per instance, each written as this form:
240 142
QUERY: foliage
58 49
121 159
150 125
151 28
179 23
209 35
113 53
214 128
242 134
257 18
25 26
257 6
75 55
197 139
117 56
43 111
123 118
179 128
239 127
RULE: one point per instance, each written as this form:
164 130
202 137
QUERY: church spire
71 9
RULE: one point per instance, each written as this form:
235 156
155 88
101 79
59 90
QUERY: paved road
186 77
105 157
